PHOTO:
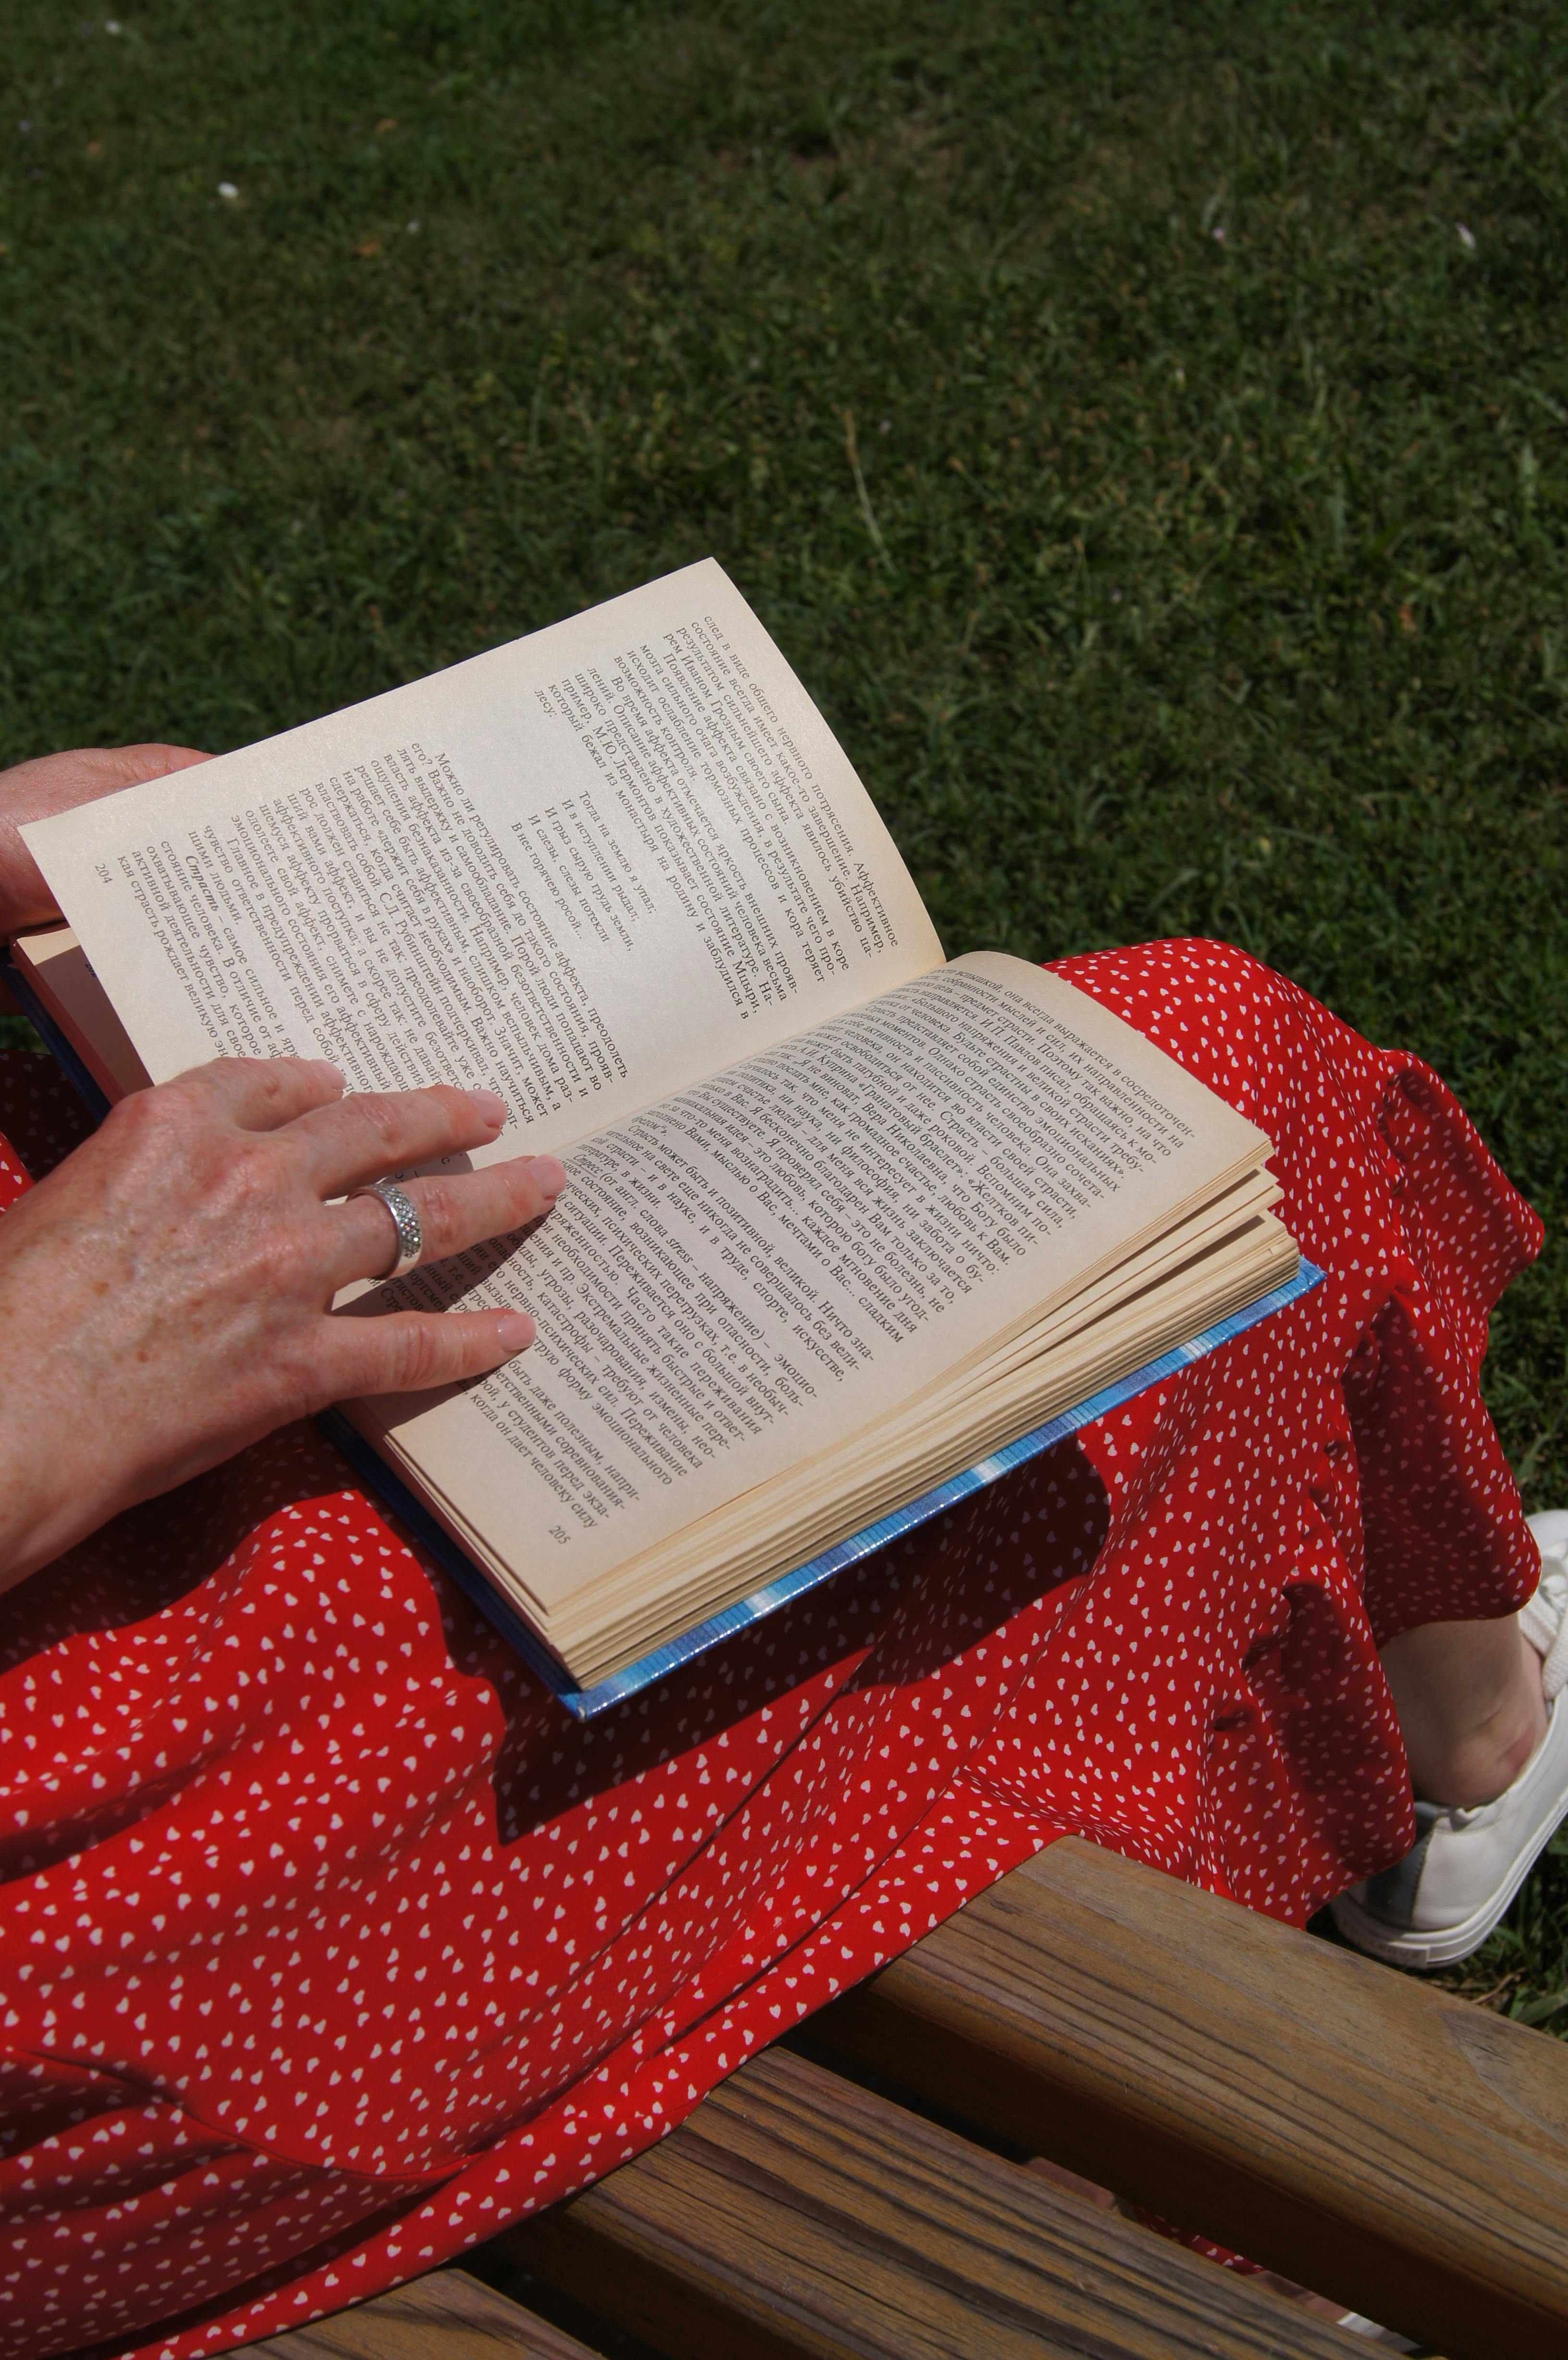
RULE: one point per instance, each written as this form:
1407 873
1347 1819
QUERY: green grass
1195 560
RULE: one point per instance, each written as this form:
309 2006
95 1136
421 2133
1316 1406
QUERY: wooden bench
1399 2151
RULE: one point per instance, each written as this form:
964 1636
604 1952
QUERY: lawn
1144 429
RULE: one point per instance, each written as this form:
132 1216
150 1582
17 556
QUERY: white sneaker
1441 1901
1355 2324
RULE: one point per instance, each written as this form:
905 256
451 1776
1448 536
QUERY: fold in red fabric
330 1945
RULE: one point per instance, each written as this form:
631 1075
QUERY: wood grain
1354 2128
446 2316
795 2216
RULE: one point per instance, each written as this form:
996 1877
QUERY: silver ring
406 1220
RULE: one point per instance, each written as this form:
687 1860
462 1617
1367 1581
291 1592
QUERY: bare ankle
1479 1771
1471 1708
1490 1757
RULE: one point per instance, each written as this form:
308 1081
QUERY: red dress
329 1945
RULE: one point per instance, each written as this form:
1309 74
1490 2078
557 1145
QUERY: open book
843 1219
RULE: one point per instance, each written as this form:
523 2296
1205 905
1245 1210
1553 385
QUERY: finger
411 1351
264 1093
368 1135
57 782
454 1213
131 766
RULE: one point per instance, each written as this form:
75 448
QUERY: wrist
33 1527
52 1495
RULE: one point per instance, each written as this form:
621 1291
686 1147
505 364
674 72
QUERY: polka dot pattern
329 1945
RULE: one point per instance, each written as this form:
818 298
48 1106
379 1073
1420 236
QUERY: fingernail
515 1331
550 1173
486 1103
329 1073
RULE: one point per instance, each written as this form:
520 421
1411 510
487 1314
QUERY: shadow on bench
1358 2131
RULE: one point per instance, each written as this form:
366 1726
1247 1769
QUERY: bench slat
797 2214
447 2316
1402 2151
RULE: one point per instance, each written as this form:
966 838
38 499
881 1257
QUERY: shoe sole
1424 1953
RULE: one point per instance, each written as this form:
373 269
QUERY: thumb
152 761
59 783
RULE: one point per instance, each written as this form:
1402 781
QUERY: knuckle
227 1079
524 1200
441 1216
247 1171
172 1123
270 1076
419 1356
455 1110
185 1096
147 1113
297 1260
380 1117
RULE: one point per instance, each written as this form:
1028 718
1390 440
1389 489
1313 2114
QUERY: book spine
53 1039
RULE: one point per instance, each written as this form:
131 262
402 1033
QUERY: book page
582 870
742 1274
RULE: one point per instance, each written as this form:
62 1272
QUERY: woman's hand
165 1294
58 782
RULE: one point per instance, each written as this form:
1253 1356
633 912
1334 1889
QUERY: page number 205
559 1532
